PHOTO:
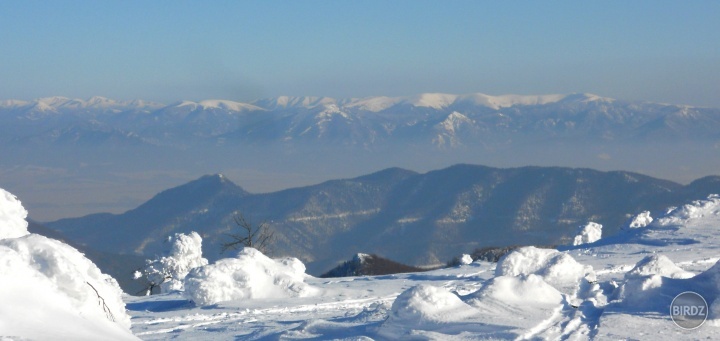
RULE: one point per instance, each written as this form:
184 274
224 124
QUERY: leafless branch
101 301
259 237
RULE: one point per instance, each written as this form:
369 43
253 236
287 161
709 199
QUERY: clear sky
667 51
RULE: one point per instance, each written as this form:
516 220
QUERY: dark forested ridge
413 218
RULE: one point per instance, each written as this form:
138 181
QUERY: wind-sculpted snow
466 259
169 271
696 209
657 265
49 290
251 275
619 287
12 216
426 308
517 290
556 268
641 220
589 233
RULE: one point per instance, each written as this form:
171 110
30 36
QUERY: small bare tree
259 237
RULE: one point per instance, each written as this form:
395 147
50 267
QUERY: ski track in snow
246 316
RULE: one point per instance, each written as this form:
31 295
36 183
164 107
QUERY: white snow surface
589 233
49 290
12 216
619 287
641 220
426 308
554 267
169 271
657 265
251 275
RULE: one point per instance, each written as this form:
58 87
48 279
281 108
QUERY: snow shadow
159 306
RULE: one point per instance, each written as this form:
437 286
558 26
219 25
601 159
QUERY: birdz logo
689 310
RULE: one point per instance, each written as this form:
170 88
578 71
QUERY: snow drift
556 268
657 265
250 275
425 308
12 216
49 290
655 291
641 220
589 233
694 210
466 259
522 290
169 271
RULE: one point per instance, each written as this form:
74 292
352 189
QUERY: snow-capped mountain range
444 120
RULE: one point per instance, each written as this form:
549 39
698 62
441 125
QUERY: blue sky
667 51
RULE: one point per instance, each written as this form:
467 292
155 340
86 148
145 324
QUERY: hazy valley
102 155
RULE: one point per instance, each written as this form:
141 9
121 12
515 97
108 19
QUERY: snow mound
655 292
516 303
657 265
641 220
640 293
49 289
12 216
185 254
589 233
521 290
696 209
557 268
425 308
251 275
466 259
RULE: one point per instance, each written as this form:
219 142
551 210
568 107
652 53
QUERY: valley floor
459 303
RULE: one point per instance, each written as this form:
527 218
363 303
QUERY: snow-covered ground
617 287
49 290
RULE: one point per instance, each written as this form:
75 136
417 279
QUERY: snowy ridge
439 101
473 120
374 104
227 105
288 102
59 103
371 104
216 104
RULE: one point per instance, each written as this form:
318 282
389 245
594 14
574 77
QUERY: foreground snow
49 290
619 287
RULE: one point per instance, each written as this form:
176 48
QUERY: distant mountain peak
228 105
432 100
586 98
216 178
288 102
